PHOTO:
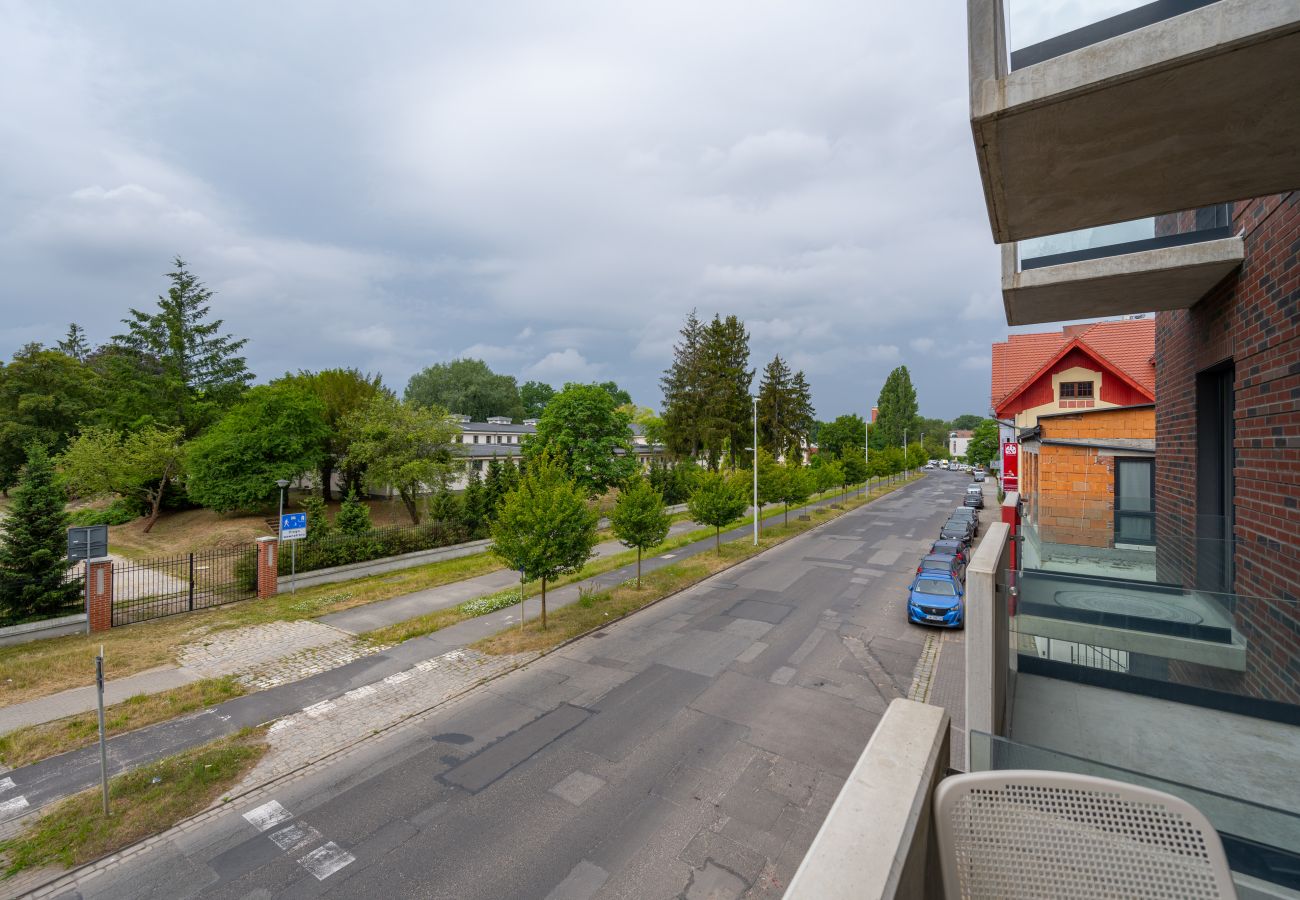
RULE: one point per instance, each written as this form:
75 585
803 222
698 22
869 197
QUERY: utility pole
755 399
906 472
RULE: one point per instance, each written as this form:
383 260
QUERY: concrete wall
877 840
48 628
989 686
387 564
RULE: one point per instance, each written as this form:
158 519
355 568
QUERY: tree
44 397
797 487
342 392
466 387
854 466
319 525
639 520
202 372
140 466
984 444
773 406
534 395
965 422
620 396
847 433
829 475
897 405
543 528
717 501
473 510
353 517
583 430
771 483
651 425
276 432
74 343
34 543
706 391
916 456
402 445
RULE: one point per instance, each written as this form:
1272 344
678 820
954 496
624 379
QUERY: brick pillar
99 593
268 566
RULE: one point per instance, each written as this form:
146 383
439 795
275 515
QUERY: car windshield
936 587
940 564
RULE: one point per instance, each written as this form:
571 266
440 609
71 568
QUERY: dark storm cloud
548 186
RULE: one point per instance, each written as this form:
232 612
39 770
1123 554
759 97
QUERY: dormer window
1076 390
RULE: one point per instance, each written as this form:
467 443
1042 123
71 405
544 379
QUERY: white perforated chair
1018 834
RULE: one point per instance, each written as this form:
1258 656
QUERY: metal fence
151 588
338 549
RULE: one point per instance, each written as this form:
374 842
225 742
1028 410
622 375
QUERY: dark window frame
1121 514
1076 390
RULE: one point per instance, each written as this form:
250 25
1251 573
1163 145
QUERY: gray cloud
549 187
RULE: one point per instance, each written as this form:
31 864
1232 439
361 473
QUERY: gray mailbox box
87 542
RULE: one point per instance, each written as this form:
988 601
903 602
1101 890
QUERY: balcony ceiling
1150 281
1199 109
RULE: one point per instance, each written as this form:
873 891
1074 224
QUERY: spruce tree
34 544
473 513
74 343
353 517
725 378
494 491
202 370
682 390
774 407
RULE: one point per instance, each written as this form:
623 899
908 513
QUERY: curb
109 861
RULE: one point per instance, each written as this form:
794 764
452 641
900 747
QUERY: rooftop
1128 345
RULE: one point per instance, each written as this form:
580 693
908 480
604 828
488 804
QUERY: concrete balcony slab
1190 111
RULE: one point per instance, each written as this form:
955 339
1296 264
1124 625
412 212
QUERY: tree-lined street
692 749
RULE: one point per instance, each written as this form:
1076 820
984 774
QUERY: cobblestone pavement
325 727
264 656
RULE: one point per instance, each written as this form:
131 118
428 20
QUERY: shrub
343 549
119 512
353 517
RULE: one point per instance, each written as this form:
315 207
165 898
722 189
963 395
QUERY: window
1076 390
1135 501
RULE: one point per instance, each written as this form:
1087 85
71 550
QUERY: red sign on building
1010 466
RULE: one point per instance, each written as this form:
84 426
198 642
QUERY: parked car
967 512
936 598
974 501
959 549
957 530
978 474
942 562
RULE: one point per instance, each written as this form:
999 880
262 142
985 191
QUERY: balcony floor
1218 752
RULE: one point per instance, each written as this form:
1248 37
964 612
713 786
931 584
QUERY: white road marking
6 784
316 710
294 836
266 815
325 860
668 556
397 677
12 806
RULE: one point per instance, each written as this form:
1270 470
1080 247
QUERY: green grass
144 802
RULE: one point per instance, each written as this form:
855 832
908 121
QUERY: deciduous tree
898 407
140 466
466 387
404 446
718 501
583 430
342 392
535 395
639 519
797 487
544 528
846 433
277 431
983 447
45 395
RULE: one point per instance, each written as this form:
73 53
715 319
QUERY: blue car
936 598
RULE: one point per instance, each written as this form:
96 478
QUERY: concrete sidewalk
242 657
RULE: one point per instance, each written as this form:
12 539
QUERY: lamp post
866 452
755 399
281 484
905 469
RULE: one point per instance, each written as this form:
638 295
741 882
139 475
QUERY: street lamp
755 399
281 484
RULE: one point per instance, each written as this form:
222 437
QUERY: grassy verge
142 803
45 667
596 610
36 742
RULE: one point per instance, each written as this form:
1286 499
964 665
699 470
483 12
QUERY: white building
958 441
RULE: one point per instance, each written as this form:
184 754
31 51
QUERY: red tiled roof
1128 345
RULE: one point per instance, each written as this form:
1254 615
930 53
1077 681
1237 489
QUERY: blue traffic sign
293 526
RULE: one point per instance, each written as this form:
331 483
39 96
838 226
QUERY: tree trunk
326 478
155 506
412 507
638 568
543 603
787 514
717 539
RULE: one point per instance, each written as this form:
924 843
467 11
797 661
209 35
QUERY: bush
119 512
343 549
318 520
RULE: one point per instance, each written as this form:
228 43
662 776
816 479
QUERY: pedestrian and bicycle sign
293 526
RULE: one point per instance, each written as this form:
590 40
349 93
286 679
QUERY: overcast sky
550 187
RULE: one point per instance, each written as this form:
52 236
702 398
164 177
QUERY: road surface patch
578 787
267 815
325 860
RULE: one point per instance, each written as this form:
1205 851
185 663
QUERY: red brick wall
1252 318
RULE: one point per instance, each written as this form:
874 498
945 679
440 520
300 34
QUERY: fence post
191 582
99 593
268 566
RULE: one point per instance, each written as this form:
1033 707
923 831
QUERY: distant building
958 441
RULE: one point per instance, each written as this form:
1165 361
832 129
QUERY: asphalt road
691 750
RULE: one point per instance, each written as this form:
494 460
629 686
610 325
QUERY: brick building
1228 429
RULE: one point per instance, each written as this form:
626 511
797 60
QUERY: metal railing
152 588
